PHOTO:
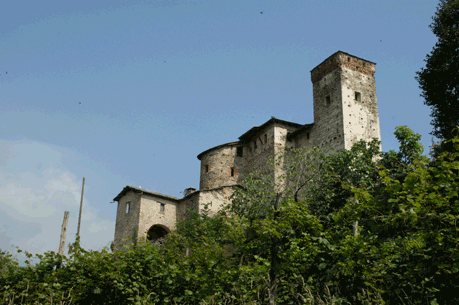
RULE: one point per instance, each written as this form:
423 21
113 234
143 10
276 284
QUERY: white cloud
35 190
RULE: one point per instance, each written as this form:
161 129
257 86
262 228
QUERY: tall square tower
345 105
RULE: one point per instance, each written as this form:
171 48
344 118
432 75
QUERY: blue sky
130 92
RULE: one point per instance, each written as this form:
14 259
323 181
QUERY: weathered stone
345 111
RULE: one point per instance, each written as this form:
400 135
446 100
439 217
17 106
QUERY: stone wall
127 223
221 166
151 214
328 112
259 150
361 118
215 198
281 147
305 138
190 202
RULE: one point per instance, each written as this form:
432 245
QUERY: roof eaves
140 190
218 146
256 129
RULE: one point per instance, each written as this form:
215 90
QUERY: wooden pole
81 207
62 241
63 233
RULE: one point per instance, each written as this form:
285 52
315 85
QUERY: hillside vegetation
355 227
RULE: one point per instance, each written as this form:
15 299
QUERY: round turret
221 165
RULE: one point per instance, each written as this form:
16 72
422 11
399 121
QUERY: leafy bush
376 228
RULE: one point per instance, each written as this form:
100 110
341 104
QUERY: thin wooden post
81 207
63 233
62 241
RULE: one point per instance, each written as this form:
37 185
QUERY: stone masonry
345 111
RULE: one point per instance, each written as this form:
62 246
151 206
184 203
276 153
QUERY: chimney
189 191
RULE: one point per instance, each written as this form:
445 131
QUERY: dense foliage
368 228
439 80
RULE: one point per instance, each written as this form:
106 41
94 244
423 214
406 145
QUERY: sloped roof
254 130
140 190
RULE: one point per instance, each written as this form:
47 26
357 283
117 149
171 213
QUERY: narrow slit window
266 138
307 135
239 151
358 96
232 171
206 168
161 207
327 100
128 207
255 144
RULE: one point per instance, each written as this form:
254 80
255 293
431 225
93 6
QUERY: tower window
358 96
232 171
307 135
266 138
161 207
128 207
255 144
327 100
206 168
239 151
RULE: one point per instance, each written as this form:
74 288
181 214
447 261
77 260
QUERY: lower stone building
345 111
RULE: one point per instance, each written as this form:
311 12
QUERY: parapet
342 59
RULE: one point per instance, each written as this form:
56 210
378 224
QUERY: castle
345 111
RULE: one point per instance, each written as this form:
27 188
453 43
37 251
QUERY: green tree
439 80
8 263
414 223
410 149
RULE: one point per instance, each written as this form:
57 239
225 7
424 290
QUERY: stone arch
157 232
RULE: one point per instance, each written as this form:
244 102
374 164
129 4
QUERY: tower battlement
345 60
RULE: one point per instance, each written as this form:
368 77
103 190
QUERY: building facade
345 111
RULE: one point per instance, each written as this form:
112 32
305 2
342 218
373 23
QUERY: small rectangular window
358 96
307 135
128 206
206 168
327 100
266 138
239 151
161 207
232 172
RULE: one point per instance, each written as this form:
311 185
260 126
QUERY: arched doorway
157 233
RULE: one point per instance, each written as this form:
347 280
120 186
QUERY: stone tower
345 106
